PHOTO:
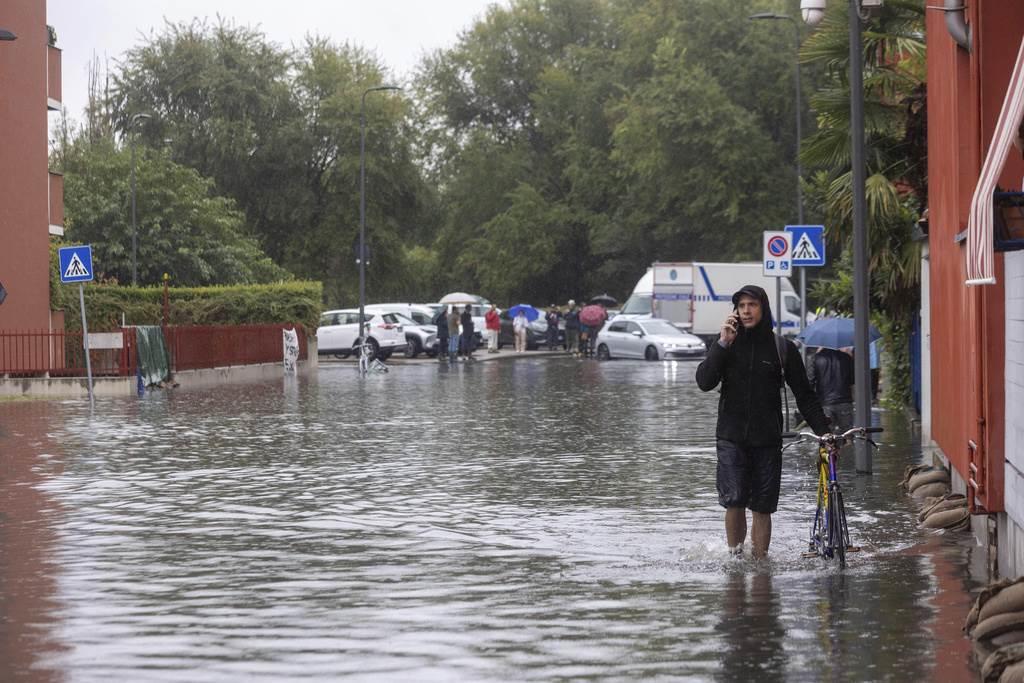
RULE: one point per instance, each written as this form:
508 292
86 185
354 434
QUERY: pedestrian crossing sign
75 263
808 244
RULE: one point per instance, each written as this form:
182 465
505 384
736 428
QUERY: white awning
980 259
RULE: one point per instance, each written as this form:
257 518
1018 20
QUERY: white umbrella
457 298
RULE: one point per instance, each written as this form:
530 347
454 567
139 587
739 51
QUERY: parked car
536 332
339 331
652 339
420 333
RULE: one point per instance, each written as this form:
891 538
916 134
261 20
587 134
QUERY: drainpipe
956 24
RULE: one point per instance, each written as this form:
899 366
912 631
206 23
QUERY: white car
420 333
339 332
654 339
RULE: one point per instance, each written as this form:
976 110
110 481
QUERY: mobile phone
736 320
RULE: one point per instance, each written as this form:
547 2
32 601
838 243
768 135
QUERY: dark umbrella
593 315
834 333
605 300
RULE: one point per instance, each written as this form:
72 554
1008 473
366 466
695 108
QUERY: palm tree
895 156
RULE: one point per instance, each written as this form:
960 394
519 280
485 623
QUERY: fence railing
216 346
62 354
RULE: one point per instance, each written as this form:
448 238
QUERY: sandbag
947 502
1013 674
1008 638
911 471
930 477
999 623
937 488
984 596
1009 599
999 660
946 519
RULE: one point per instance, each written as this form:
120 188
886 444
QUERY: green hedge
105 304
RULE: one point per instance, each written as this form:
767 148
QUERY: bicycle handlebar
849 433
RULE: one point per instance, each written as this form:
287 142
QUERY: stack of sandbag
948 512
924 481
996 624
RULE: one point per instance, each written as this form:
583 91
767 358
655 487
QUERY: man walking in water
750 362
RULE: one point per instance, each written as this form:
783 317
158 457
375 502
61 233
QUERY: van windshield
638 304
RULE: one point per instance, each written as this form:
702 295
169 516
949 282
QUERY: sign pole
85 340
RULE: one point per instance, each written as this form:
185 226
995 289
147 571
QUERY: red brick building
973 316
31 198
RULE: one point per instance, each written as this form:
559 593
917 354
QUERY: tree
184 229
896 166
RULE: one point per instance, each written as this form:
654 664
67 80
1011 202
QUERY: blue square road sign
75 263
808 244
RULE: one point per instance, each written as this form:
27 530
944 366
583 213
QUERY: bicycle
830 536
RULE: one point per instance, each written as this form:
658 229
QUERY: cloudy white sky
399 31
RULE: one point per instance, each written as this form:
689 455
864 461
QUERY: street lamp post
361 257
135 231
813 12
799 137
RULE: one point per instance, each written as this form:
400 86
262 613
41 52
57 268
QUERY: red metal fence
62 354
218 346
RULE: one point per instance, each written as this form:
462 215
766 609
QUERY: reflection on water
537 519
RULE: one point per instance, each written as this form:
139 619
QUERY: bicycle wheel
837 536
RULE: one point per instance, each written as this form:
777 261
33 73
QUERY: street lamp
135 231
813 12
799 168
361 256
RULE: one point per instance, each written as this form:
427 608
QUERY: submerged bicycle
830 537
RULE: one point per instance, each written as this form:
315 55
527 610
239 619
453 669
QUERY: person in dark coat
440 319
830 373
747 363
468 332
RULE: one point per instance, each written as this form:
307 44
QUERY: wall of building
1011 553
24 173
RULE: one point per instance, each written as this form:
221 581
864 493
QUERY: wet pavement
536 519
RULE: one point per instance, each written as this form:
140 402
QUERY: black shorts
748 476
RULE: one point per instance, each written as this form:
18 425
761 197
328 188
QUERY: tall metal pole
799 175
862 370
135 231
362 216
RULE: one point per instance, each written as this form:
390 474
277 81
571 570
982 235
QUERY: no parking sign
778 253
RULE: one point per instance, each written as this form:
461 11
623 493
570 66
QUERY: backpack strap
780 349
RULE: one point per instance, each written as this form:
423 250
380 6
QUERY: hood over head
755 292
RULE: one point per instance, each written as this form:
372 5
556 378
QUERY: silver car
654 339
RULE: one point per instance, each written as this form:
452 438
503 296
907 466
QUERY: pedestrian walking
468 339
552 333
752 364
519 325
453 334
572 328
493 325
830 374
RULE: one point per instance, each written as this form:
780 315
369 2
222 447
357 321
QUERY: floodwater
537 519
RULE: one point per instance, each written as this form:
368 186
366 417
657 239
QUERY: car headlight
671 345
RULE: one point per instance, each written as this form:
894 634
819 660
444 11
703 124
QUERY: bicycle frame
830 535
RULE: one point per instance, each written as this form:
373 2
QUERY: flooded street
541 519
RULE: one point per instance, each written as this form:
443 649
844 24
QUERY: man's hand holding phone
729 329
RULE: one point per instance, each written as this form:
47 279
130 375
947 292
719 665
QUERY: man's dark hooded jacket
750 405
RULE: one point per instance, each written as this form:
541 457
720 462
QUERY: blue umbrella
834 333
529 311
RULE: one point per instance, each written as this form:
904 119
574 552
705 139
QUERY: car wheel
602 352
650 353
413 348
372 345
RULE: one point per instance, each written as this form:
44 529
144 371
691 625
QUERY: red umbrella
593 315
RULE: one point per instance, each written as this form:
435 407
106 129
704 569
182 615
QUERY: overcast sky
399 31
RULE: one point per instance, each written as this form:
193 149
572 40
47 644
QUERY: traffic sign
808 244
778 248
75 263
